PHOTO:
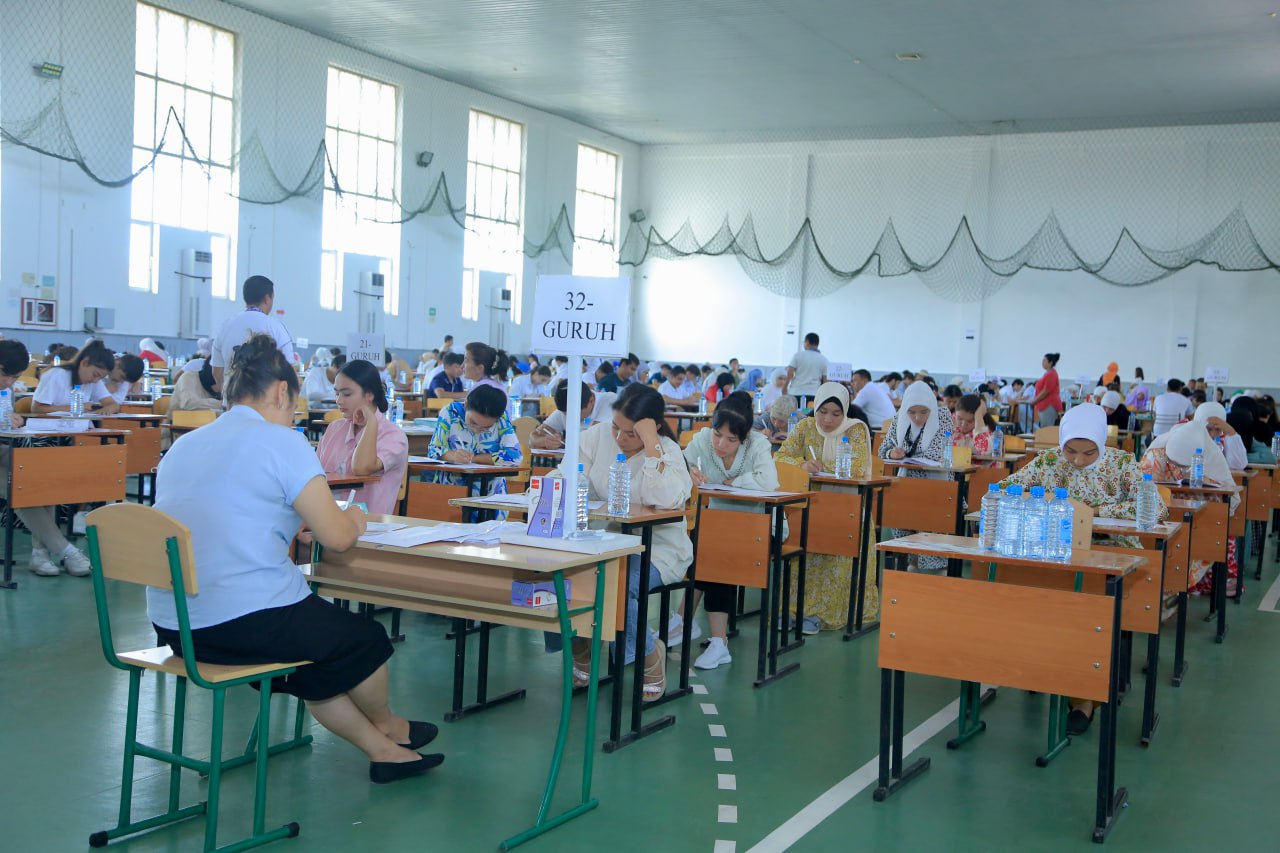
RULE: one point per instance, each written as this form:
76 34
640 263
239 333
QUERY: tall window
184 85
595 218
494 240
360 213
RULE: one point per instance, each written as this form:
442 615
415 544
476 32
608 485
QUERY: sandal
655 674
581 662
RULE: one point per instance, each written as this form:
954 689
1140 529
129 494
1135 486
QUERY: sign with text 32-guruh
581 315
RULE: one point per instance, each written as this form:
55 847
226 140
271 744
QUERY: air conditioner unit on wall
195 274
370 294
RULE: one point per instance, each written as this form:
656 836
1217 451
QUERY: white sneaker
75 563
41 565
78 522
675 631
717 654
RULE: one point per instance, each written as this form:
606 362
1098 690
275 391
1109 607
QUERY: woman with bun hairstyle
363 442
1047 404
243 485
484 365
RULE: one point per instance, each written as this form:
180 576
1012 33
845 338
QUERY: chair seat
162 659
791 550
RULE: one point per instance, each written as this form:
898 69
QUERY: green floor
1205 784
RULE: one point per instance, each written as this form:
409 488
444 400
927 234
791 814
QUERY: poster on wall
39 312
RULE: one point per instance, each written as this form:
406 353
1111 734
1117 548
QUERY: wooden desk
861 523
1261 503
928 505
142 446
419 436
71 472
338 481
746 549
1212 547
470 582
425 499
1055 641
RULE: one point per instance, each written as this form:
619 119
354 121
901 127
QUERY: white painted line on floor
725 847
1269 600
726 782
723 754
727 814
803 821
709 709
700 689
717 731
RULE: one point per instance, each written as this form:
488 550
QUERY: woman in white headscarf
153 352
1213 417
812 446
1113 404
919 431
777 386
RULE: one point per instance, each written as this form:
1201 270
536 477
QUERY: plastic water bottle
1197 468
989 516
155 390
1148 503
844 459
702 405
1062 522
417 384
1133 422
620 487
947 456
1009 523
6 409
515 407
77 402
1275 445
997 443
793 422
57 360
1034 524
584 492
759 402
404 378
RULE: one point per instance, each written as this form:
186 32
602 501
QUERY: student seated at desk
776 388
1243 418
660 480
396 370
951 396
318 386
477 431
721 388
1213 416
153 353
974 425
123 378
596 408
918 431
447 384
244 485
195 392
535 383
676 390
812 446
363 442
1113 405
727 453
777 418
1105 478
89 367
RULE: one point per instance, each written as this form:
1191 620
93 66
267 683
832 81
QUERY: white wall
1168 186
58 222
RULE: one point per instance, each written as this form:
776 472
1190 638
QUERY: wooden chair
140 545
686 437
435 404
524 432
161 406
546 405
1014 444
332 415
192 417
1046 437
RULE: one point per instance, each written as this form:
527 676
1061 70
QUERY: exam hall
733 426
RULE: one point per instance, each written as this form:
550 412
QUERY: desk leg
955 568
1109 799
773 607
1059 740
1220 599
971 702
1151 719
796 631
1240 558
483 702
1260 536
1126 664
1180 642
857 596
9 518
892 774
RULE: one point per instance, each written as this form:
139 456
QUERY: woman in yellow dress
812 446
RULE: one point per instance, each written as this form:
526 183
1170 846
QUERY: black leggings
718 597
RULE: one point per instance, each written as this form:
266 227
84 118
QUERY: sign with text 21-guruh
581 315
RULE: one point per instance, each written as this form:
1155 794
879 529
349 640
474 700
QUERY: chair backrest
1014 444
885 426
1046 437
192 417
524 432
791 478
332 415
23 406
129 542
161 406
435 404
546 405
686 437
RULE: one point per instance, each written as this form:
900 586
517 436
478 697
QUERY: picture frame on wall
39 312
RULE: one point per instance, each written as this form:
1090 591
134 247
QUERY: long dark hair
96 353
257 365
637 402
971 403
206 378
368 378
494 361
734 414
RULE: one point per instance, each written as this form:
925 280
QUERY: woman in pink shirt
1048 401
349 446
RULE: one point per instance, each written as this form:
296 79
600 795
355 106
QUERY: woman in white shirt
318 386
90 366
194 391
659 479
244 485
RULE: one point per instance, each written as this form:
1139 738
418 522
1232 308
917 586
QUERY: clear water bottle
1062 522
1197 468
1148 504
793 422
404 378
6 409
988 517
1133 422
702 405
417 384
584 492
1009 523
620 487
997 443
155 390
1034 524
57 361
948 457
77 402
1275 445
844 459
759 402
515 407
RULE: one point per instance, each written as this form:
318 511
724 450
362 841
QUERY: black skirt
344 648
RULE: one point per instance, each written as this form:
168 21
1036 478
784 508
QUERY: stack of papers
734 490
410 537
65 423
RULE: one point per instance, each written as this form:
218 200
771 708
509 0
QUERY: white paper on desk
419 459
410 537
455 466
382 527
64 424
734 490
918 460
519 500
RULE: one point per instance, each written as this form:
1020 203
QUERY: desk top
865 482
1008 457
417 463
96 432
140 417
962 469
1186 505
640 517
1260 466
970 548
1179 489
338 480
747 496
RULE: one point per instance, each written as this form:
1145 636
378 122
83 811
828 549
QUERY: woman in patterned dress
477 431
918 431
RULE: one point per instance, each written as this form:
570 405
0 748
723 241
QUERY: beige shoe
655 673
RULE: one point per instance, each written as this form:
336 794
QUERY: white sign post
367 347
579 316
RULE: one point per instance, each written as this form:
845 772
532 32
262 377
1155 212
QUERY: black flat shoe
420 734
382 772
1078 722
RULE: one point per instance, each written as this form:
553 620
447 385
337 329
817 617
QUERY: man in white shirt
807 370
677 390
872 397
1170 407
597 407
259 299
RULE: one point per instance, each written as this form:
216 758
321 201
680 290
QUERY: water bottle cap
580 468
994 487
1146 477
622 457
1037 491
947 433
1014 490
844 440
1198 449
77 388
1060 494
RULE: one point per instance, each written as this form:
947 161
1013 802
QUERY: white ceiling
668 71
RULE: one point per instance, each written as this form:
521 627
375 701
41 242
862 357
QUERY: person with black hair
726 453
485 365
447 384
617 379
124 377
363 442
974 425
244 485
721 388
194 391
396 371
89 367
476 431
596 408
1047 404
950 396
14 361
807 370
1169 408
680 388
639 433
873 397
535 383
318 386
256 318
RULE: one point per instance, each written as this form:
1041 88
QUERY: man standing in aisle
807 370
259 298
